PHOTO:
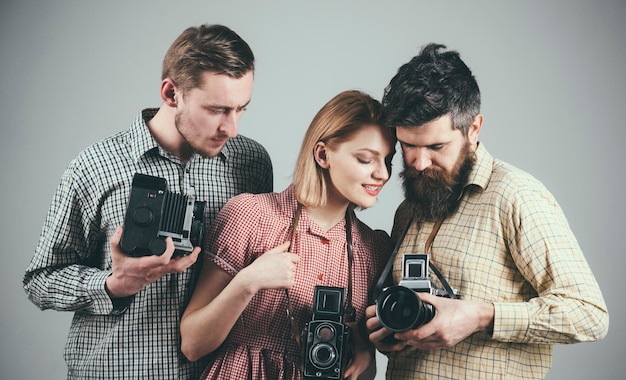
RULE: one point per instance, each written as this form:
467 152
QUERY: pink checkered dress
261 344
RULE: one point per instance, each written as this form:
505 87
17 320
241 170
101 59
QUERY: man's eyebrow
224 107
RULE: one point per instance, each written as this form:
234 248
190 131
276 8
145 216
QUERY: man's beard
433 193
179 121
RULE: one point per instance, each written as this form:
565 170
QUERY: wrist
112 288
487 314
246 283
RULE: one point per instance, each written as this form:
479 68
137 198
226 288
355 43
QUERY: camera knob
143 216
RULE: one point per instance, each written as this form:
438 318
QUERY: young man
127 309
495 233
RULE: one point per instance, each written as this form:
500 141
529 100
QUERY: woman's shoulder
261 205
372 236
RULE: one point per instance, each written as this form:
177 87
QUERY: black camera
398 307
325 337
153 213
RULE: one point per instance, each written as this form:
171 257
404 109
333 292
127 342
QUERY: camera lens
143 216
325 333
399 309
323 355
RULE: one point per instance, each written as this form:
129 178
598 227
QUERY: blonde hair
333 124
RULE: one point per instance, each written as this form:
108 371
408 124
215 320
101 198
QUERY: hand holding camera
153 214
131 274
455 321
417 314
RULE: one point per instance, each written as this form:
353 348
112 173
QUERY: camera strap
385 274
350 313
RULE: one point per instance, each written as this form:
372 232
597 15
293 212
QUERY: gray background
551 74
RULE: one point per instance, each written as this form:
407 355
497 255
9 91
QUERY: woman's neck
327 216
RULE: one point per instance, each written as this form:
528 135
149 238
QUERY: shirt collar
141 138
143 142
481 172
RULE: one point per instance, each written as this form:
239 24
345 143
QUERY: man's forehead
438 129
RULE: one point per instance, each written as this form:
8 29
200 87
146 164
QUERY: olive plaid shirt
510 244
139 340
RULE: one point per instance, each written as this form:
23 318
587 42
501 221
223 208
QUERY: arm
219 299
549 296
569 306
74 268
68 270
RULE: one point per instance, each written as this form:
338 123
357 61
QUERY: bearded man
497 236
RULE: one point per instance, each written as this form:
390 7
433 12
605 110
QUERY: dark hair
214 48
432 84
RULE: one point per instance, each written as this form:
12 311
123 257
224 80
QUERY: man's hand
382 338
454 321
132 274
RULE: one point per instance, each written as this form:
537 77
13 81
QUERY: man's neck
163 128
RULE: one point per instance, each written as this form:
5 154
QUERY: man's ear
169 92
320 155
474 129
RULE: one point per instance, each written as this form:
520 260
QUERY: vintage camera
398 307
153 213
325 337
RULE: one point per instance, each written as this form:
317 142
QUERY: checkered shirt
72 259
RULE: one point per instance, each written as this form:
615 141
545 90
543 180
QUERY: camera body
153 213
325 337
398 307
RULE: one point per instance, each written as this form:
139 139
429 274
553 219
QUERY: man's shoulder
247 153
105 161
510 178
246 144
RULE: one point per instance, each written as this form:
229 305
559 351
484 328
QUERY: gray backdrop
551 74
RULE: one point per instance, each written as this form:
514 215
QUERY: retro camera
325 337
153 213
398 307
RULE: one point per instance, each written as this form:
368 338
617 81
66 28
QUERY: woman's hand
362 354
275 269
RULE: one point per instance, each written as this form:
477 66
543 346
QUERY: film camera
398 307
325 337
153 214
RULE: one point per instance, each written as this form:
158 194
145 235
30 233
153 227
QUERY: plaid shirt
508 243
72 259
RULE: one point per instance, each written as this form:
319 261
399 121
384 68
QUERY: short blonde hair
333 124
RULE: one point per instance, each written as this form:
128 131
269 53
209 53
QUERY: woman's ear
320 155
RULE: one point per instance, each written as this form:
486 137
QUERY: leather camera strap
385 273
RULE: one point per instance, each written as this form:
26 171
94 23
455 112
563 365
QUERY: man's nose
229 123
421 160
